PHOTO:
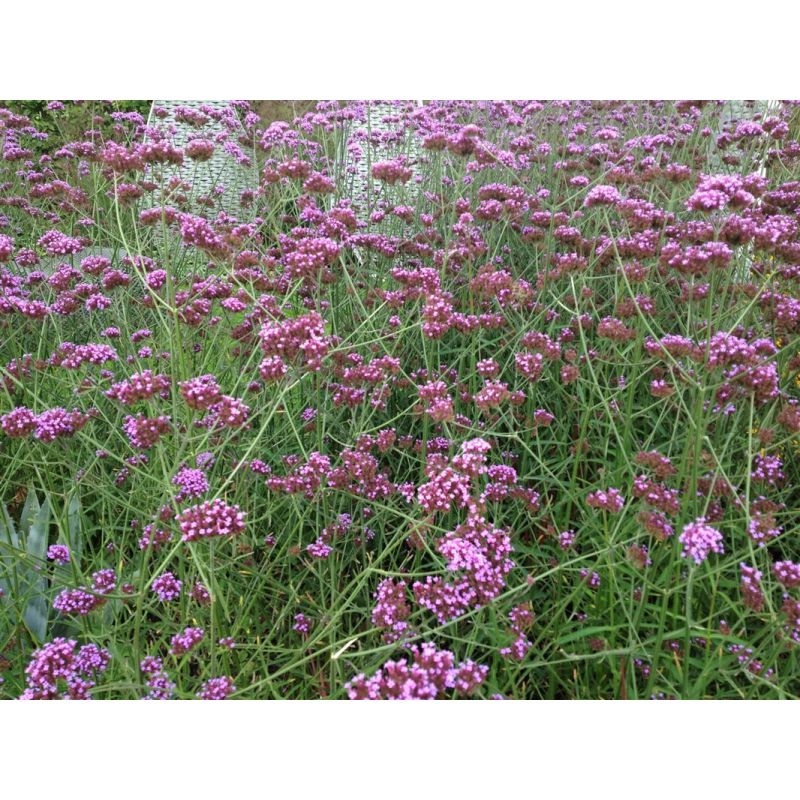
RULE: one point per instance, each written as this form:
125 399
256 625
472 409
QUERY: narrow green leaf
75 527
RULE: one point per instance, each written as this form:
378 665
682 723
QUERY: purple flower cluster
56 671
190 482
429 676
167 587
479 555
182 643
48 426
522 619
159 684
302 624
83 600
144 432
216 689
59 553
699 539
209 519
391 610
787 573
608 499
752 593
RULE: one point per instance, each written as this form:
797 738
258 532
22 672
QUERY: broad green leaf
9 544
8 532
36 614
29 511
37 532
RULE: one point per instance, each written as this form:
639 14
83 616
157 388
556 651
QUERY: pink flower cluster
699 539
158 681
391 610
478 553
201 393
608 499
48 426
752 593
394 171
522 619
190 482
209 519
715 192
302 338
145 432
140 386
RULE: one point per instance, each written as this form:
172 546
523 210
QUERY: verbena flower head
59 553
699 539
209 519
429 676
182 643
56 671
167 587
216 689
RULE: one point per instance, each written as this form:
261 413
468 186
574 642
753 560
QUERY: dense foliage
469 399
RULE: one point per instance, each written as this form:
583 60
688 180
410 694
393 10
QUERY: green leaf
75 528
37 532
8 532
9 544
36 617
31 582
29 511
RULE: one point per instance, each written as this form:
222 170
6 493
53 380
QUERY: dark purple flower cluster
56 671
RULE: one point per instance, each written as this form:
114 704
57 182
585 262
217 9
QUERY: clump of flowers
479 555
209 519
302 624
429 676
144 432
201 393
752 593
699 539
190 482
182 643
160 686
57 672
301 339
522 619
391 610
83 600
608 499
58 553
394 171
58 423
787 573
216 689
167 587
